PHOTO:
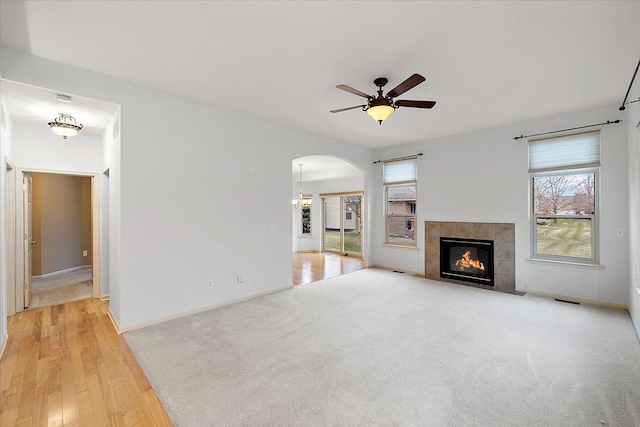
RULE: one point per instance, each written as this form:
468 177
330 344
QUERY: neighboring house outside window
400 200
564 181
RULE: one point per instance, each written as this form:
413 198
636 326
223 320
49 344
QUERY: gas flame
466 262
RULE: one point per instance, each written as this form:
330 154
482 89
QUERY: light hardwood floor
311 267
66 366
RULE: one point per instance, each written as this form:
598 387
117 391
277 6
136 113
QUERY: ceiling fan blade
410 83
354 91
415 104
347 109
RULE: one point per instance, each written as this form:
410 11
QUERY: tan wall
61 222
86 221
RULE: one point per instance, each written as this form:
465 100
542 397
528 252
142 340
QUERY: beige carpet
61 288
380 348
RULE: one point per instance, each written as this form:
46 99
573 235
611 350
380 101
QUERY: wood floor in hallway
311 267
65 365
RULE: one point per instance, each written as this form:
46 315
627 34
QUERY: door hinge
26 286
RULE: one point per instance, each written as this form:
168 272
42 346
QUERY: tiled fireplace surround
503 236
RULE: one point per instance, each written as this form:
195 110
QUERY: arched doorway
327 218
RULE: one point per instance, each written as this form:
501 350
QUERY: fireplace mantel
503 236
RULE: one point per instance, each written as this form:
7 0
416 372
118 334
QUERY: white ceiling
36 106
486 63
320 168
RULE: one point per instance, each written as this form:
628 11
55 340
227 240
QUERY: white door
28 238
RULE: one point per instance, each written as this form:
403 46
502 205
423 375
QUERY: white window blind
400 171
565 152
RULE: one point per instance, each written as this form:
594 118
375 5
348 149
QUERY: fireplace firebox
469 260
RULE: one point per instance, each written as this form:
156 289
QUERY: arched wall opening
329 211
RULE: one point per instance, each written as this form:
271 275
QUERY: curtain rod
622 107
608 122
398 158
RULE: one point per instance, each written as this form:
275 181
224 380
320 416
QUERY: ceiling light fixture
301 200
381 111
65 125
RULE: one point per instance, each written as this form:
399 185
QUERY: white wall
37 148
315 188
110 152
482 177
182 196
6 149
632 120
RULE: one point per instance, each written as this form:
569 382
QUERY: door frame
10 235
19 225
341 195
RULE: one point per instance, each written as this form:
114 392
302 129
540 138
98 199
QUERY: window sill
565 263
391 245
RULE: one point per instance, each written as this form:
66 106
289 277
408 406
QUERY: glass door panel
332 238
352 224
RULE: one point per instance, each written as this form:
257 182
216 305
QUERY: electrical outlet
239 279
85 253
422 257
619 232
210 282
273 227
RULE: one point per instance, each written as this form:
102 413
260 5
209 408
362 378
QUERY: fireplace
469 260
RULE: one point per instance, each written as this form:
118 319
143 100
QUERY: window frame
402 172
595 252
407 217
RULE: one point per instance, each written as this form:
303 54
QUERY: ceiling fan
383 106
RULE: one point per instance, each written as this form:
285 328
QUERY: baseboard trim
133 327
635 328
312 251
4 345
59 272
104 297
114 322
580 300
384 267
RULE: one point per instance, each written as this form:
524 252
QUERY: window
305 214
564 197
400 200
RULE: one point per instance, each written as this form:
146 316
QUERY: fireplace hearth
469 260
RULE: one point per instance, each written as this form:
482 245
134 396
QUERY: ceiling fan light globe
380 112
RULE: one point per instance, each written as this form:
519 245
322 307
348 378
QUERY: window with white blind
564 197
400 189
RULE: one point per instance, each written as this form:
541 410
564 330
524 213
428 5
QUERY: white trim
59 272
95 229
392 245
580 300
401 270
577 264
104 297
635 328
141 325
114 322
4 345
